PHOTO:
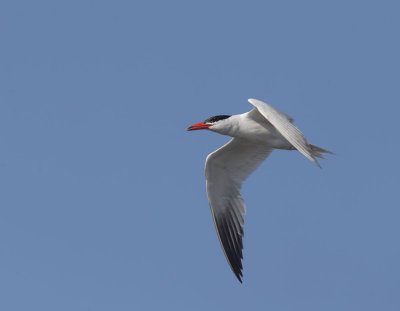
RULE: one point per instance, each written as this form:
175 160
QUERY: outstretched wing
226 169
284 126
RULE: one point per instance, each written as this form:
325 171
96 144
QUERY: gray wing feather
283 124
226 169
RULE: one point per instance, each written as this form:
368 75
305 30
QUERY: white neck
229 126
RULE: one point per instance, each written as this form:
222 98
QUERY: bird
255 134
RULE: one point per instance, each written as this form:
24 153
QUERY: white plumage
255 134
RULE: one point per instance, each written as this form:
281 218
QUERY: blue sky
103 203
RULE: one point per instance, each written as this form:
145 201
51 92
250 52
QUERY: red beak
198 126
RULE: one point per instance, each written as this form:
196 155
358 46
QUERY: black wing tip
237 270
232 246
239 276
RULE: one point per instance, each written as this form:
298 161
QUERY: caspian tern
255 135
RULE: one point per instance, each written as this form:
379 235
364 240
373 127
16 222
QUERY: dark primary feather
231 239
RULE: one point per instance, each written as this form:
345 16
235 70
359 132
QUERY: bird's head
215 123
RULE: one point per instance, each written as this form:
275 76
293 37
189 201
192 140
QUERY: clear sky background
102 192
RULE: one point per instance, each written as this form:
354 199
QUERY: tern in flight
255 134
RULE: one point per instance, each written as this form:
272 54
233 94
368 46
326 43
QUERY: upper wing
284 126
226 169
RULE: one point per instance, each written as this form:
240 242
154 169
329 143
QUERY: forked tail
318 151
